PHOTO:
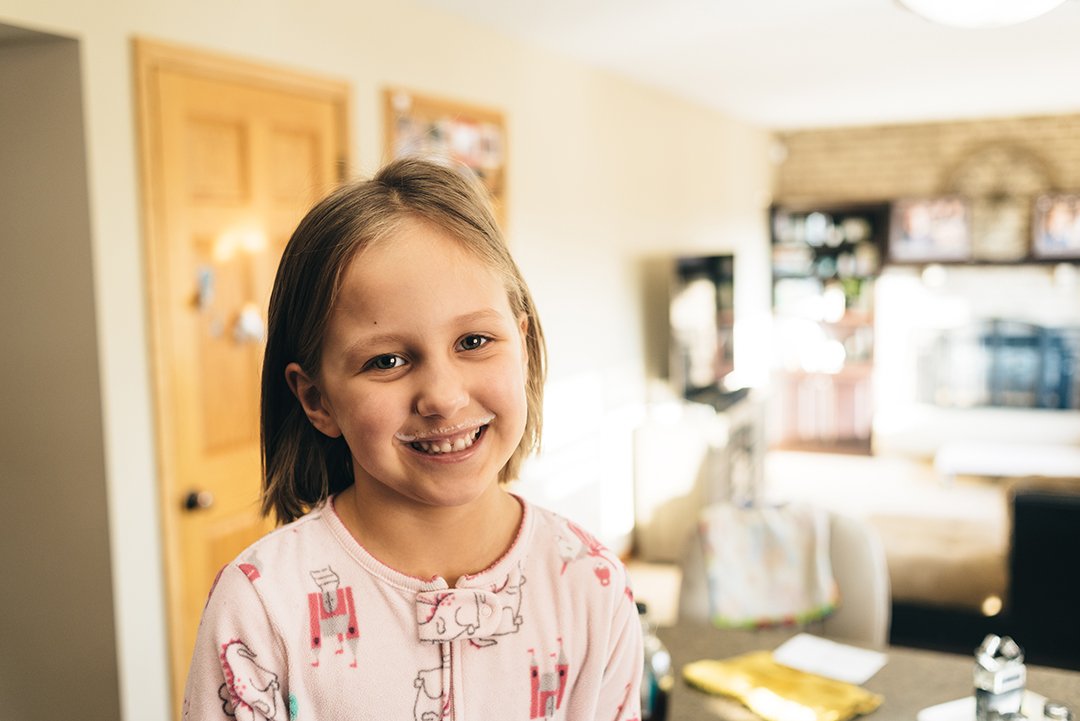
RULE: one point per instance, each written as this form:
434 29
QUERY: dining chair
859 567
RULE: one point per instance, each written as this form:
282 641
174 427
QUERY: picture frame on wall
1056 227
930 230
473 135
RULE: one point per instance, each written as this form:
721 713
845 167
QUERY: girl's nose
442 391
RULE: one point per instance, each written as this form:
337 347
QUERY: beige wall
56 598
884 162
603 173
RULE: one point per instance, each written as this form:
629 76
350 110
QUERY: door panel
233 155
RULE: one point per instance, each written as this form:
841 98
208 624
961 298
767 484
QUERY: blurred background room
817 252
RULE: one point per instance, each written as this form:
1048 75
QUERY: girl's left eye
472 342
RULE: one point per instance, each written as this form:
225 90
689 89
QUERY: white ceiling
789 64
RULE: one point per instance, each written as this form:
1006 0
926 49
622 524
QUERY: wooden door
233 155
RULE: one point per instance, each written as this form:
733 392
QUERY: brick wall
884 162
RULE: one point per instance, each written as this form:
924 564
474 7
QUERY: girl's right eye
386 362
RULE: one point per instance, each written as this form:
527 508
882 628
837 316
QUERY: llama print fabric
305 624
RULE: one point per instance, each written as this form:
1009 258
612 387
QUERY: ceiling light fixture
979 13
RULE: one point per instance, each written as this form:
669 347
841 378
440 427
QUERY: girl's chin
459 497
434 483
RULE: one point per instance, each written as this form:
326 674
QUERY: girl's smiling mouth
448 445
446 440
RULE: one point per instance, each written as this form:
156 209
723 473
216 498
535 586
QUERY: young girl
402 388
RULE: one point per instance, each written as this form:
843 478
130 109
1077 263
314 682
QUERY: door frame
151 57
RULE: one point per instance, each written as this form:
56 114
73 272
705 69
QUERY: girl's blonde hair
301 465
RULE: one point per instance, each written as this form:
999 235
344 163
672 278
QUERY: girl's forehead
422 237
421 262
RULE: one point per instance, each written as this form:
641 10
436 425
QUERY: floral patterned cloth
767 565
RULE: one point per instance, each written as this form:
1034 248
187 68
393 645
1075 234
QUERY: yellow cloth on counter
779 693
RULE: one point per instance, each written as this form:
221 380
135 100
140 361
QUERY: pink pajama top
306 625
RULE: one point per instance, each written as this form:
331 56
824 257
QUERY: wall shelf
825 263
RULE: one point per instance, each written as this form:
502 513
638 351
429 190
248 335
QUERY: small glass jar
658 679
1054 711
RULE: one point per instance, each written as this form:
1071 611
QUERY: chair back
861 572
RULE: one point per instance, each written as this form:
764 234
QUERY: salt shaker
1000 676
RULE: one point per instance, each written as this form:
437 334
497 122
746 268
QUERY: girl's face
423 370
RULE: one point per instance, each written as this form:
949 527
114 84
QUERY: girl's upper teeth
445 445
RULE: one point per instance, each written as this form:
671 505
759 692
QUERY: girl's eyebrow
488 314
373 341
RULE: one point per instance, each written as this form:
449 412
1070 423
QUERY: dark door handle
198 499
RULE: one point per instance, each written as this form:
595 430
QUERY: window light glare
980 13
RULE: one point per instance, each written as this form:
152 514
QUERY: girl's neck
426 541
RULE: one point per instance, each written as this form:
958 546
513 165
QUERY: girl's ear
523 327
311 399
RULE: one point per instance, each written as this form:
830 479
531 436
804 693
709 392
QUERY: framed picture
472 135
1056 227
930 230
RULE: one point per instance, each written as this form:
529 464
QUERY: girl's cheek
513 389
373 412
509 377
381 410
